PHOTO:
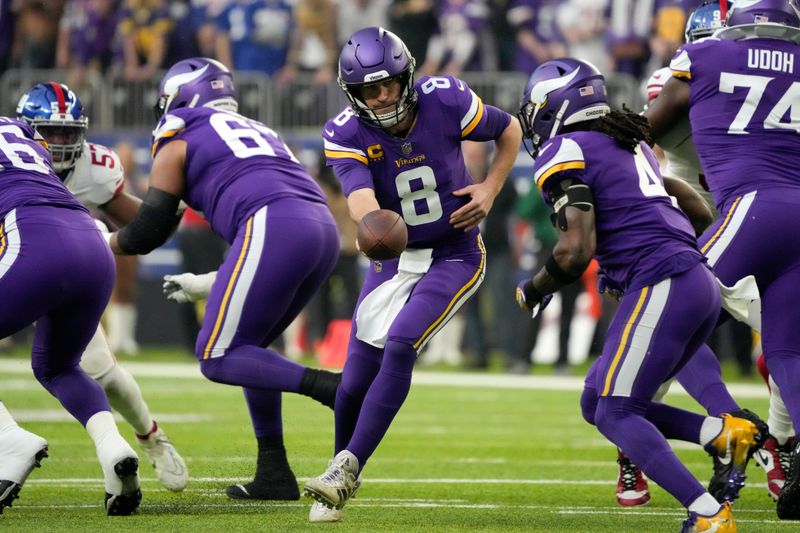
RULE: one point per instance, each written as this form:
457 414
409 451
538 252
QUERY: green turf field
504 454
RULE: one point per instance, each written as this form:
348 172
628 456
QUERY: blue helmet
560 92
705 20
56 113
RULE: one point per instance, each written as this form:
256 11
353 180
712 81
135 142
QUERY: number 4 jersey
745 112
234 165
415 176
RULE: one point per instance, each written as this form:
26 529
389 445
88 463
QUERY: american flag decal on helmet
586 91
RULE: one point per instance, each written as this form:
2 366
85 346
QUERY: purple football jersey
234 165
415 176
642 237
26 177
745 112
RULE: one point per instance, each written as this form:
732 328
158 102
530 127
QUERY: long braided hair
624 126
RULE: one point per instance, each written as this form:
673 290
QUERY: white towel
743 301
380 307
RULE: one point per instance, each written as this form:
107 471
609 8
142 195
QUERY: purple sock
256 368
362 365
701 376
383 400
80 395
675 423
622 421
265 412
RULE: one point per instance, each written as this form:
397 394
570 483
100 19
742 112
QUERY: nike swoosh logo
726 459
329 132
546 148
714 529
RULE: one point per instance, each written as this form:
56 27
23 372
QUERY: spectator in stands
188 36
313 47
254 35
455 45
582 23
86 37
537 37
143 29
352 15
36 34
413 21
629 27
669 23
7 23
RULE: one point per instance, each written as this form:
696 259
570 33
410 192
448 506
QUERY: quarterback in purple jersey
594 166
40 220
398 147
739 89
284 244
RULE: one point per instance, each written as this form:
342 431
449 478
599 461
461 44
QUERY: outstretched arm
483 194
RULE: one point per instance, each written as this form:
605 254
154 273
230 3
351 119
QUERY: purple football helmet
764 11
372 55
56 113
198 81
560 92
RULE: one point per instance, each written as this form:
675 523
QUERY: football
382 234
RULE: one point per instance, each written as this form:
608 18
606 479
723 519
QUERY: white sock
705 505
710 430
125 396
5 417
779 422
121 326
101 426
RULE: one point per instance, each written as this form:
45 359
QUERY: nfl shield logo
586 91
378 266
406 148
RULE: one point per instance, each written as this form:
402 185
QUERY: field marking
191 370
418 503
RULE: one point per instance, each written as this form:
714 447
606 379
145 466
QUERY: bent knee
589 404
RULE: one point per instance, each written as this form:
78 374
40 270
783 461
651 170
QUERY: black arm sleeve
152 225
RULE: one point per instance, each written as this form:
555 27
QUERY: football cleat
170 468
121 472
20 452
337 484
320 512
278 484
761 426
731 450
774 459
632 488
721 522
789 500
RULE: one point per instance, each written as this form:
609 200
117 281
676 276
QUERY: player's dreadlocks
625 127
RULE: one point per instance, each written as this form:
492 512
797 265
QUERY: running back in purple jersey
26 162
642 237
234 165
745 112
415 176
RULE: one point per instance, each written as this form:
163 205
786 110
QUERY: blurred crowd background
284 54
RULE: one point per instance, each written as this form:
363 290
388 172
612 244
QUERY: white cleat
121 472
170 468
320 512
338 484
20 452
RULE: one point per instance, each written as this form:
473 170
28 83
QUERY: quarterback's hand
529 299
186 287
608 287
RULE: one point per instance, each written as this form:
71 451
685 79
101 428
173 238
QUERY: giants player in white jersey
94 175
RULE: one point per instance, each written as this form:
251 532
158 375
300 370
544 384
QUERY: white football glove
184 288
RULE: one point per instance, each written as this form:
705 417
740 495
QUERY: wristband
558 273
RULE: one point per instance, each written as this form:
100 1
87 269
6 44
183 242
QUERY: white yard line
191 370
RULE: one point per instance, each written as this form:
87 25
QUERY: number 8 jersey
415 176
744 91
234 165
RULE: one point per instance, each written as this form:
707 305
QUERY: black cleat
276 486
761 426
126 503
731 450
789 500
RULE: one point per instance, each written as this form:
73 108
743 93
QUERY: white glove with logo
186 287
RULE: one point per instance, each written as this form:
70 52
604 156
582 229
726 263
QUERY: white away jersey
98 176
